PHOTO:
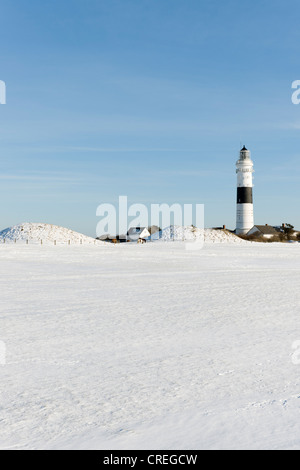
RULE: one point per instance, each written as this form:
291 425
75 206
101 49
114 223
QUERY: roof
244 148
266 229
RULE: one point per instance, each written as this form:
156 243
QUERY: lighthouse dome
244 154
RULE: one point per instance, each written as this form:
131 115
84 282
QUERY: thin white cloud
288 125
39 177
78 148
126 150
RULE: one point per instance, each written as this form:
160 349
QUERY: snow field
150 346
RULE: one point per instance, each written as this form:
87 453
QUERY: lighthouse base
244 218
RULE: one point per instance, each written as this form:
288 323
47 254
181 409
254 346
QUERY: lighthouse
244 211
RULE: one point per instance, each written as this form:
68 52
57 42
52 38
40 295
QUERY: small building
138 234
266 231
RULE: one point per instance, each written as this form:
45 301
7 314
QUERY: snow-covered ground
150 346
44 234
190 233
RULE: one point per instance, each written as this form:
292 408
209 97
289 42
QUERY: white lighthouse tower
244 212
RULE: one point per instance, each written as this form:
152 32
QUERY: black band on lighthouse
244 196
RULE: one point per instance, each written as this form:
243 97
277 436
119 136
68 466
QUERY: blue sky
149 99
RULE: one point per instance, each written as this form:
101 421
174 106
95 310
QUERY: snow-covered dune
50 234
178 233
221 236
44 233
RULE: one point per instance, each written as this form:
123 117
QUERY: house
266 231
138 234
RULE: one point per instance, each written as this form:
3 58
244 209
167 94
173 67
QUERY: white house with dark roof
266 231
